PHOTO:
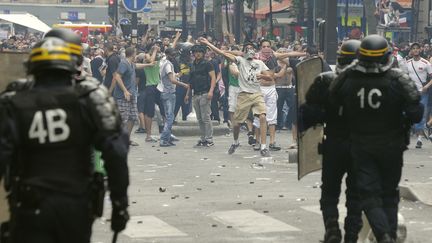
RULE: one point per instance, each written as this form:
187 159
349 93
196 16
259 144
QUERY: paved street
215 197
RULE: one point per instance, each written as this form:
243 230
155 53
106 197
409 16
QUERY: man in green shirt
151 93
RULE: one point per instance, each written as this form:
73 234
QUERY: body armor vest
374 105
54 140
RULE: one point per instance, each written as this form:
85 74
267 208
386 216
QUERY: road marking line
150 226
250 221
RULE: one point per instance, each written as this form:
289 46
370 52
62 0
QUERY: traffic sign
134 6
148 7
124 21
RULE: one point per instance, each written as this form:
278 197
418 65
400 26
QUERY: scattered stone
133 202
175 196
212 181
257 166
281 195
162 189
421 165
265 211
229 227
406 179
315 186
239 203
186 197
301 199
214 225
153 146
260 196
204 158
139 222
199 189
157 149
165 152
251 182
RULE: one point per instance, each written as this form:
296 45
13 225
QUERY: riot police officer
47 136
335 149
73 41
380 103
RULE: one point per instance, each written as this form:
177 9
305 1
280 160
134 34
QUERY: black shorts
141 102
151 98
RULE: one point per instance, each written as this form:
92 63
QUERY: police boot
350 238
332 231
386 238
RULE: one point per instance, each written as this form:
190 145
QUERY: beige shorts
246 102
232 98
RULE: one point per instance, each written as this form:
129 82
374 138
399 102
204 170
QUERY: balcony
57 2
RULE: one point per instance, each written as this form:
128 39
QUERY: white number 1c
372 92
57 128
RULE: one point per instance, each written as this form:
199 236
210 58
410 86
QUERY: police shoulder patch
409 89
19 85
87 85
104 109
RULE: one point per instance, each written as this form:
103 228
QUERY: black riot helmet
185 49
72 40
347 53
375 55
50 53
374 48
199 48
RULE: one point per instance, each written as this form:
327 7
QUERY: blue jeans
168 101
424 100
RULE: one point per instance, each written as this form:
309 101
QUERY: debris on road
162 189
257 166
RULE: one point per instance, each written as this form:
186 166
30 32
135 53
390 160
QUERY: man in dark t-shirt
112 62
203 82
96 65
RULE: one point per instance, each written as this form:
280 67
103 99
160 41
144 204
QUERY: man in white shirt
250 95
420 70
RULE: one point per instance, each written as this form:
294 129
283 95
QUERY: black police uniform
379 105
47 137
336 159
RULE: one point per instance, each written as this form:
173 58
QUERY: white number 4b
57 130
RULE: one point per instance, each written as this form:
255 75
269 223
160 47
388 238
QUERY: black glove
119 216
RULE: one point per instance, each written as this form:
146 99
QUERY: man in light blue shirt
168 97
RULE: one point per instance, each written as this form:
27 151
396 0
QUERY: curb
408 194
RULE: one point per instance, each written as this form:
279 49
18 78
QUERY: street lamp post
271 19
330 47
184 21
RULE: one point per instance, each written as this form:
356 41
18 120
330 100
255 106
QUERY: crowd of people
108 60
369 105
20 42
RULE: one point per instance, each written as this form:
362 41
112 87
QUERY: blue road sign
134 6
148 7
124 21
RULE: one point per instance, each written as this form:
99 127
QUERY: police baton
114 240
